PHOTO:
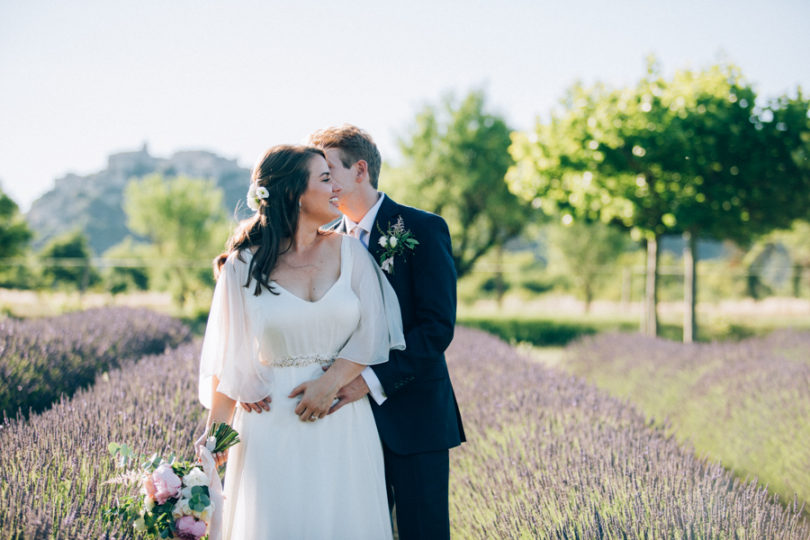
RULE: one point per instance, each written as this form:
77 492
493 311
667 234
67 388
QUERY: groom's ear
362 170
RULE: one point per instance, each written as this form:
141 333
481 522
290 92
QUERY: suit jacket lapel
386 216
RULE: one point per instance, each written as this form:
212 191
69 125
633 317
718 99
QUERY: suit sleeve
433 278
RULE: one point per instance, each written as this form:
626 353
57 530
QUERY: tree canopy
456 155
697 153
184 222
67 263
14 231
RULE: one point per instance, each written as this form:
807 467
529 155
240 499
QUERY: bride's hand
318 396
219 458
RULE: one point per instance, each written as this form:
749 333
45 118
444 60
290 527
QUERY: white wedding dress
289 479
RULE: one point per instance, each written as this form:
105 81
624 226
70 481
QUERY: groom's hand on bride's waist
258 406
350 393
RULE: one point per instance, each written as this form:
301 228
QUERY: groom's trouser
418 488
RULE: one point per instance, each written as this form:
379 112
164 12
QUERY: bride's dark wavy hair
284 171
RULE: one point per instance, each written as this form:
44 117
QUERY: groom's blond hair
354 144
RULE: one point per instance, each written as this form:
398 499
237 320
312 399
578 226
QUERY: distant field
26 304
554 321
561 317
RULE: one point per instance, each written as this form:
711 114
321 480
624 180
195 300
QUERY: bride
291 300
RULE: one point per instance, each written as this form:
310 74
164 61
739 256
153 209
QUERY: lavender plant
550 456
745 404
43 358
54 465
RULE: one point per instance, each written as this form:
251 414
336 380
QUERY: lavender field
746 404
53 465
552 457
549 457
40 359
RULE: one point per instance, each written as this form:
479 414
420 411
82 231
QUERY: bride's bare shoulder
332 238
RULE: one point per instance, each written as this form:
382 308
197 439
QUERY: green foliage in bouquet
174 497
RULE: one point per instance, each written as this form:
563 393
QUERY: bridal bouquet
176 499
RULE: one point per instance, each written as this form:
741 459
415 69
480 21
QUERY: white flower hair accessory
255 195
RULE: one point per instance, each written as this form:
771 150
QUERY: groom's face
344 180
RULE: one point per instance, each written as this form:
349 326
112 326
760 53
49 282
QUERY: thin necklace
297 266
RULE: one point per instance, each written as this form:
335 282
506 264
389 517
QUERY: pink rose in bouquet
149 487
167 484
179 499
189 528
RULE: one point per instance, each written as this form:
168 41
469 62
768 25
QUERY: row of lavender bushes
54 465
746 404
40 359
548 457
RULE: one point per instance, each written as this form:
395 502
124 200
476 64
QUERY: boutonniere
395 241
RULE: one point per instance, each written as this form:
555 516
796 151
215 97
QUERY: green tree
14 235
691 155
184 222
587 253
456 155
66 262
127 266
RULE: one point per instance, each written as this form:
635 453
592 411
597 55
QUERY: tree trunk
689 290
797 280
650 327
500 288
588 293
627 285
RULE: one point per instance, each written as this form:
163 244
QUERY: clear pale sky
82 79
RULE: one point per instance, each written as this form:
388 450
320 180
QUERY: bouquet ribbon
214 492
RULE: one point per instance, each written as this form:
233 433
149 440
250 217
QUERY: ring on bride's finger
313 418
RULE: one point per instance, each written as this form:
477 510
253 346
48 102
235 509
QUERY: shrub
43 358
539 331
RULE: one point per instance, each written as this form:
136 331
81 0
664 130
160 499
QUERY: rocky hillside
92 203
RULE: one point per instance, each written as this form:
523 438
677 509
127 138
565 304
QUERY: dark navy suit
419 421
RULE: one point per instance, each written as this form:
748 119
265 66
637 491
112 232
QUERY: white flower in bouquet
206 514
195 477
148 503
139 525
181 508
388 264
392 242
383 241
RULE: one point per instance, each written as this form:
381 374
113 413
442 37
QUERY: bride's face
319 201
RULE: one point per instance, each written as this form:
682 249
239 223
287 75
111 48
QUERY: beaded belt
304 360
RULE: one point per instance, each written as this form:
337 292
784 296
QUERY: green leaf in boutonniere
397 240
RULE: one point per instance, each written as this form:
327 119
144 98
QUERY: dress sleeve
230 349
379 329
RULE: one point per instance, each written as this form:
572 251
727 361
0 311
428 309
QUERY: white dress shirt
362 231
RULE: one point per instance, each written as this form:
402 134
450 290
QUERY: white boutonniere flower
397 240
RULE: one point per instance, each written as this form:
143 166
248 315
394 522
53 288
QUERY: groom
413 401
